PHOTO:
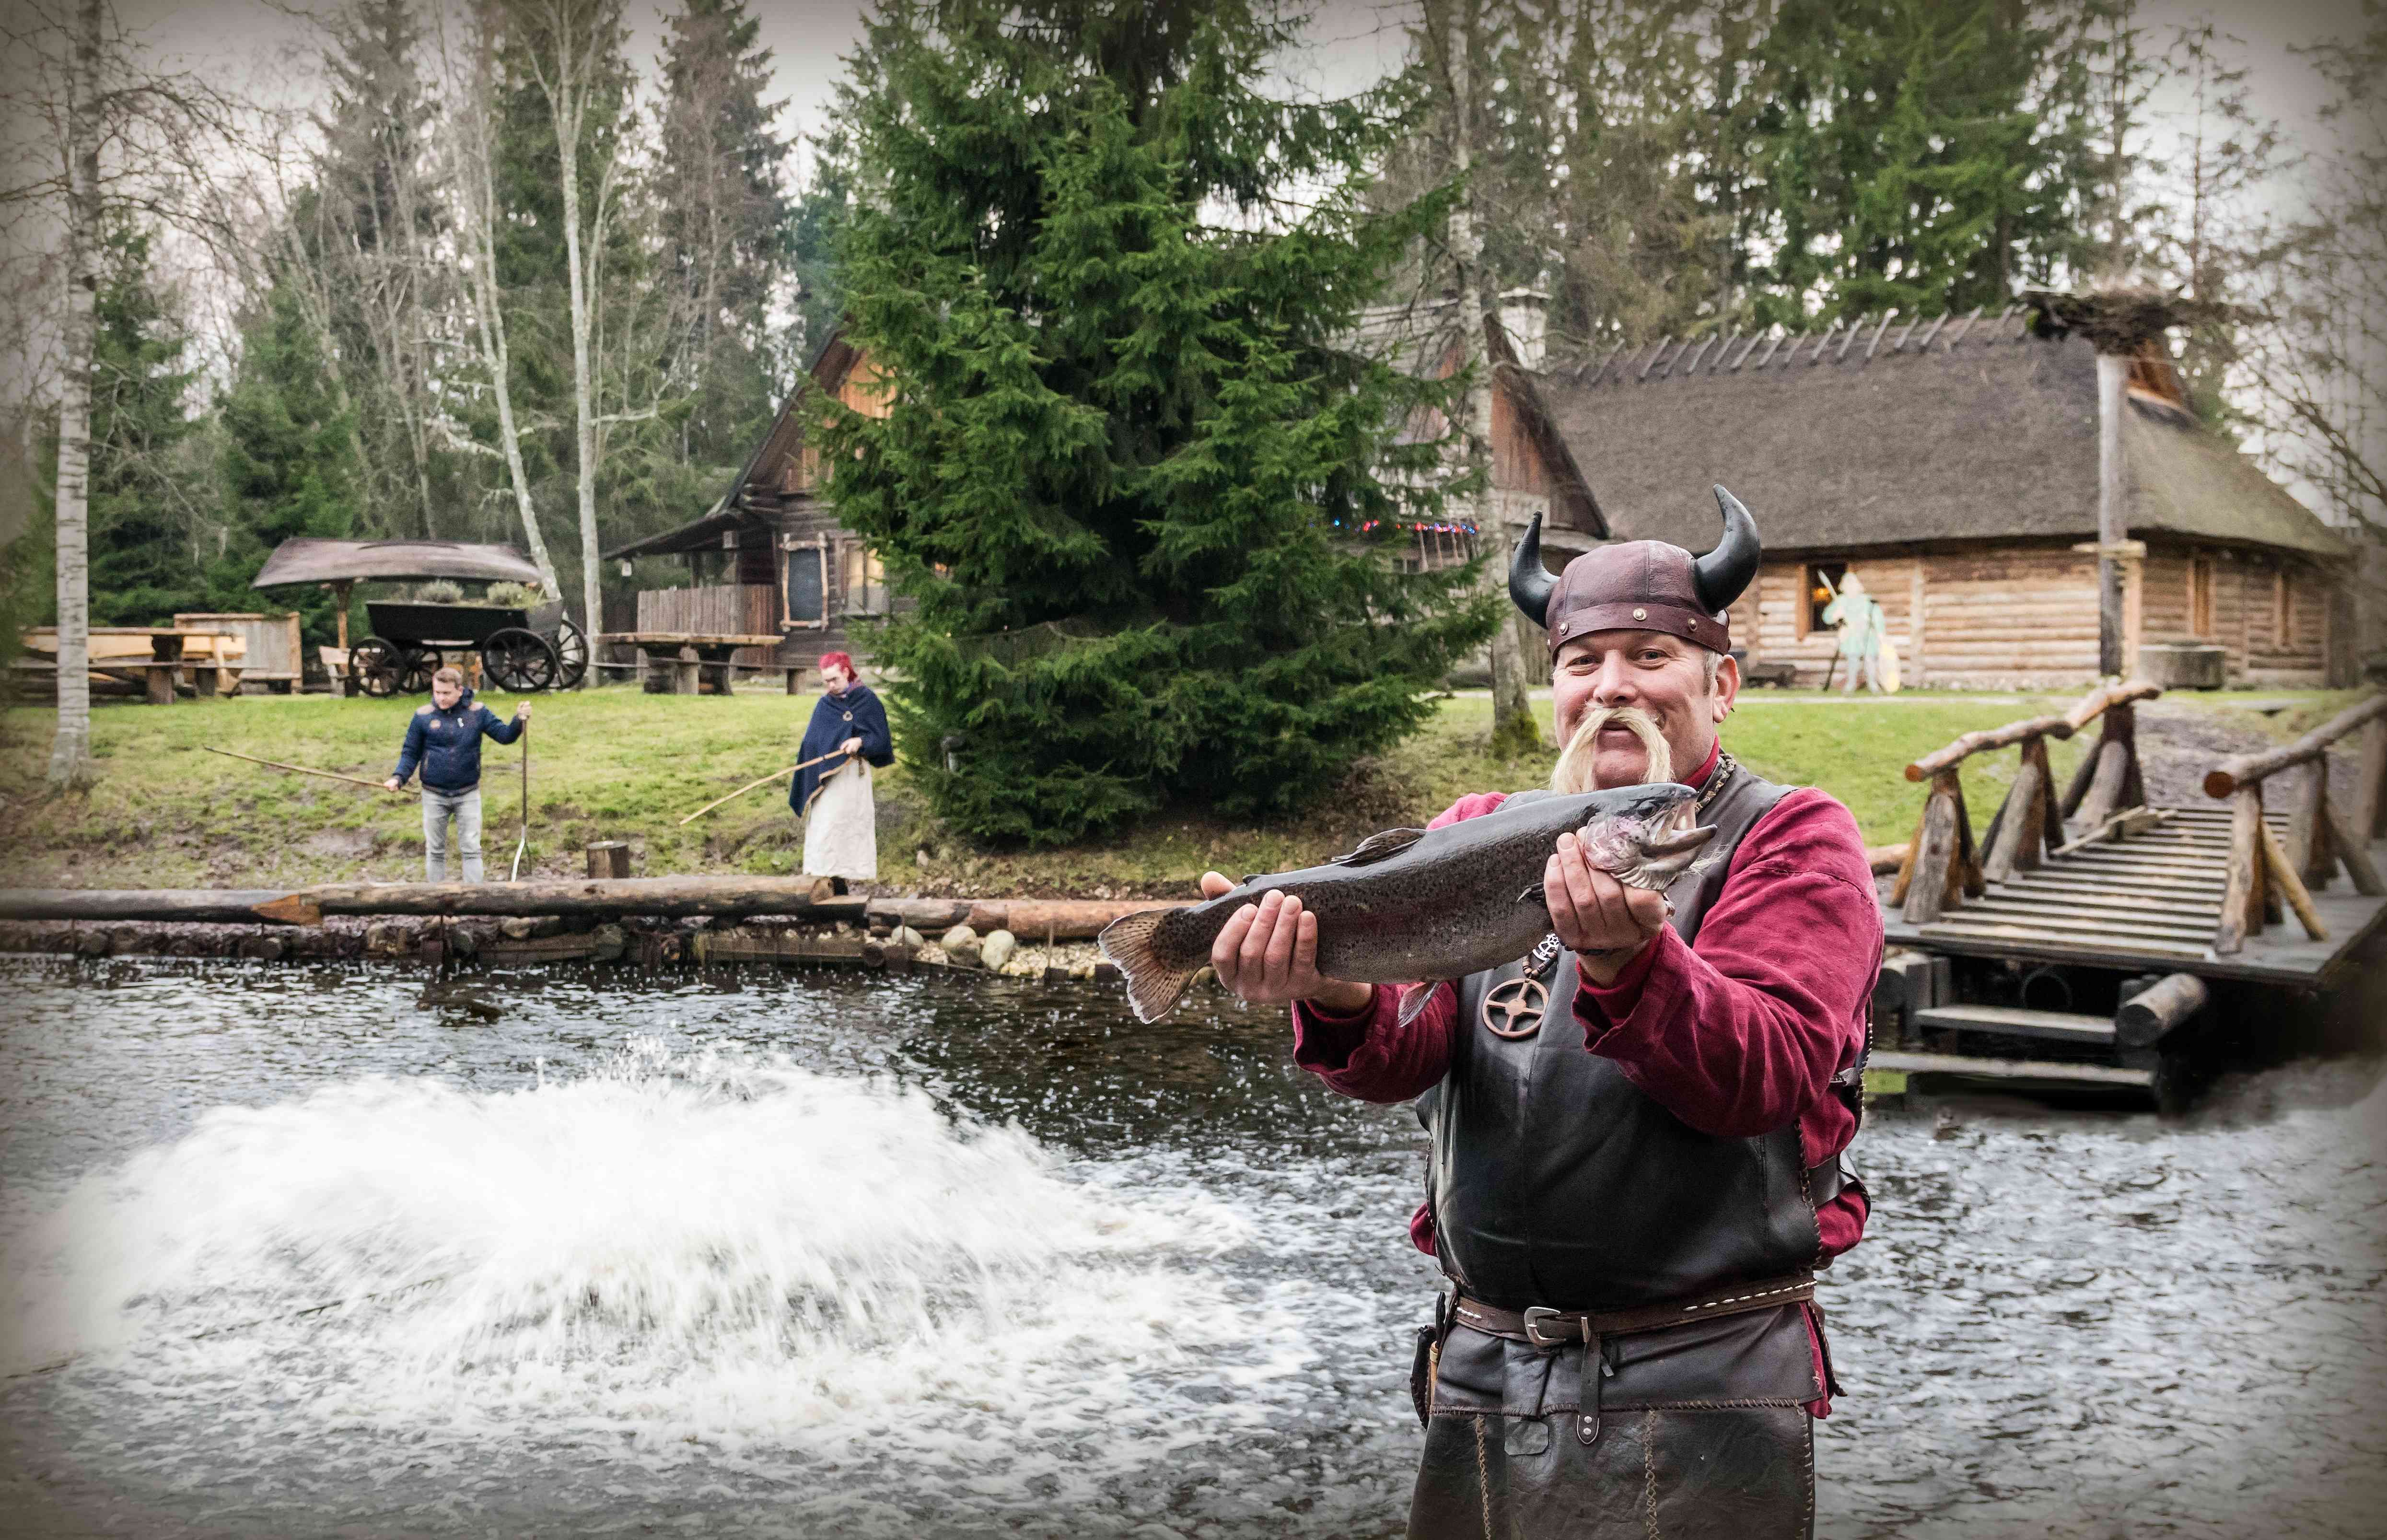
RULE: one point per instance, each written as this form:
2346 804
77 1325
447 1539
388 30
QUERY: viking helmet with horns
1640 584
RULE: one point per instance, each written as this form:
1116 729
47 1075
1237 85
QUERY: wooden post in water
2147 1017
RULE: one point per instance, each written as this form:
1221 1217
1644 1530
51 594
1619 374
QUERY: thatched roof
1900 431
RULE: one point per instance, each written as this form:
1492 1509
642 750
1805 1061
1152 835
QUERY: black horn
1723 574
1530 583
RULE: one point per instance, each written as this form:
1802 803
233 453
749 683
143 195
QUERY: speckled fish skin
1460 900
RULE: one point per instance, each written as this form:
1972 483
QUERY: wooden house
1953 463
769 558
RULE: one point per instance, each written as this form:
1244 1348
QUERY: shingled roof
1891 432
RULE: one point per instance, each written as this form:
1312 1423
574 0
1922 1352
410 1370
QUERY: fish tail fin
1153 987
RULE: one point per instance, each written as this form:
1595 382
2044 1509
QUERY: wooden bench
111 656
676 662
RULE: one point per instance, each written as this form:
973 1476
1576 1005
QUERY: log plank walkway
2151 902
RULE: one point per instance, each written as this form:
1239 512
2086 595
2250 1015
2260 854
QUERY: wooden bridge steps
2150 902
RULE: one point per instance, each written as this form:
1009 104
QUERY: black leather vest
1555 1181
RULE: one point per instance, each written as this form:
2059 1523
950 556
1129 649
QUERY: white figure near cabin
1857 615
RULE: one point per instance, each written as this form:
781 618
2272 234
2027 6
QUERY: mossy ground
619 764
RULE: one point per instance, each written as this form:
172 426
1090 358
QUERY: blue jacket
447 744
856 713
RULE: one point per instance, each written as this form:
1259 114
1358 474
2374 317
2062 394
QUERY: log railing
1944 867
2263 874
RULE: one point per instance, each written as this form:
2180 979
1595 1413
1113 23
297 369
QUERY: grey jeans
437 808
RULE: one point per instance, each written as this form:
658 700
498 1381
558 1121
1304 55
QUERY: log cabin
769 558
1952 463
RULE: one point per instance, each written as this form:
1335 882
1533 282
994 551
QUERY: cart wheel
520 660
422 662
571 652
378 668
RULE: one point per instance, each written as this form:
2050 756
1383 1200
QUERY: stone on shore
996 950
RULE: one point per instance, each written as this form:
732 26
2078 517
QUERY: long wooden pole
302 770
766 780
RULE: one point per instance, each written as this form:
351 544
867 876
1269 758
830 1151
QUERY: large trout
1413 904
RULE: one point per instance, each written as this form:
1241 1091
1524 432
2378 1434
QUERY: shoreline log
661 897
199 905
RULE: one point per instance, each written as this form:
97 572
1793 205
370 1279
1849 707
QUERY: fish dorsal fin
1378 847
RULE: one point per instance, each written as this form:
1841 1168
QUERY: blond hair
449 675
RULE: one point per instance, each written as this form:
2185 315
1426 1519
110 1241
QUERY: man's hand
1268 954
1596 916
395 784
522 712
850 746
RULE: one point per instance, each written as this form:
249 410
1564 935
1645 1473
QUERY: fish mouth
1683 837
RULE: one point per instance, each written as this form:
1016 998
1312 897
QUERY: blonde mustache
1574 772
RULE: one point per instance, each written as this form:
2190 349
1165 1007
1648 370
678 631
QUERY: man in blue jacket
444 739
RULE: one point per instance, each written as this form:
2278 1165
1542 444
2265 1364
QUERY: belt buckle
1537 1314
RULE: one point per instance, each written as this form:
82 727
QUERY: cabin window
2283 611
2200 596
807 586
862 579
1823 585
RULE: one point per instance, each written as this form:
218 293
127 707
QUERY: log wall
2249 592
2025 617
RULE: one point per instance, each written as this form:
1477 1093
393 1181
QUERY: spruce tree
1134 447
724 222
286 460
1911 157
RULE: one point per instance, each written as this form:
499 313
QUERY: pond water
816 1252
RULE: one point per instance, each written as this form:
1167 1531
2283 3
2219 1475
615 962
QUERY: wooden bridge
2100 891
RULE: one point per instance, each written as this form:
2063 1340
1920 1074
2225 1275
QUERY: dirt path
2179 744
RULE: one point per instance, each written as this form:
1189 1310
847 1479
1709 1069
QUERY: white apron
842 826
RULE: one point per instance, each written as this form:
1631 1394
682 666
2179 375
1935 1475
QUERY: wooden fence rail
1944 867
2266 877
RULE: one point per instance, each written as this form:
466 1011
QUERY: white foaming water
708 1255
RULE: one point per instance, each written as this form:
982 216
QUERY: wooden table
157 671
679 658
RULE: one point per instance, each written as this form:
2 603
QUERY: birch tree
1453 36
471 180
120 136
70 749
571 48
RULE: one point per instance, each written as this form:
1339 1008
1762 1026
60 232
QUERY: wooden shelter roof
1902 432
309 560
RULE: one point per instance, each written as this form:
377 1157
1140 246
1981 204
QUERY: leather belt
1544 1326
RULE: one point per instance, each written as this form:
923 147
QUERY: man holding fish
1637 1047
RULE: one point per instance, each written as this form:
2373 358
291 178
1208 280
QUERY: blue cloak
856 713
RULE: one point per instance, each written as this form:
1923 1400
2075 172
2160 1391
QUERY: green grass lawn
619 764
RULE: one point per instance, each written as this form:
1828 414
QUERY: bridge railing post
2265 878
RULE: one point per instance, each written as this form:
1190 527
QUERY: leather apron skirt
1698 1432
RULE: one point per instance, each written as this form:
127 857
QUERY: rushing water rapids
813 1253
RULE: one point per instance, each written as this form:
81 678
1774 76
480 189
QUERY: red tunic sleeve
1740 1033
1373 1056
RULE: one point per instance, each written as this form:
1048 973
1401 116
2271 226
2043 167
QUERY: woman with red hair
833 799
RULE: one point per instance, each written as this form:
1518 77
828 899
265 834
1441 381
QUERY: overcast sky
1350 43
